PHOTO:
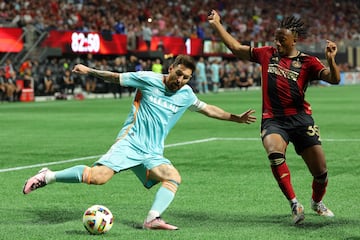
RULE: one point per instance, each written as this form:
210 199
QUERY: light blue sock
70 175
163 198
215 89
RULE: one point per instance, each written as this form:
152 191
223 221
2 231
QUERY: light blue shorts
123 156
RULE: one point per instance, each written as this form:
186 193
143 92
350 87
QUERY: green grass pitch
228 191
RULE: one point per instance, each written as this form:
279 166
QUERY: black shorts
298 129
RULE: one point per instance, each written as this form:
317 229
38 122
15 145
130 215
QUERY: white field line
166 146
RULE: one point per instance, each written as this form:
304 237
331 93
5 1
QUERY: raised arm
331 74
239 50
218 113
105 75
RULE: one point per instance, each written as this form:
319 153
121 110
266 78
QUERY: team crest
296 64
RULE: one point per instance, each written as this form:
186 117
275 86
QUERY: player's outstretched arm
105 75
239 50
218 113
331 75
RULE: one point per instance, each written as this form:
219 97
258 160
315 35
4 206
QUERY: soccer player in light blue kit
201 80
215 74
159 102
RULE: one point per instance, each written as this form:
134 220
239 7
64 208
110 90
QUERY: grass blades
228 191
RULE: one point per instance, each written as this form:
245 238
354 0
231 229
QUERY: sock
50 177
319 187
293 202
70 175
163 198
282 175
152 215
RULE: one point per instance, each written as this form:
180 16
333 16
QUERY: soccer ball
97 219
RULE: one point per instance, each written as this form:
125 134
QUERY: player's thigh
274 137
164 172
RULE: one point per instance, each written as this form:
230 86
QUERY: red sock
282 175
319 189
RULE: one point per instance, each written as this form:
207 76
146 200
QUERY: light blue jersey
154 111
153 114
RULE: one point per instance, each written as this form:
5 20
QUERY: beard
172 84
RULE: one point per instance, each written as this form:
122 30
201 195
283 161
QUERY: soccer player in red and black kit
286 116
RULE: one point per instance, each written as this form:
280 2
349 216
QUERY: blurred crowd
54 76
328 19
246 20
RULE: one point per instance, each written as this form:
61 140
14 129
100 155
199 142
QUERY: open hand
245 117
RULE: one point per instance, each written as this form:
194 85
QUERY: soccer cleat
158 224
297 213
321 209
36 181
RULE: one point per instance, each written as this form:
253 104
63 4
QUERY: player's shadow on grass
132 224
53 216
311 222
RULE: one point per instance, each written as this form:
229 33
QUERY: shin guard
281 173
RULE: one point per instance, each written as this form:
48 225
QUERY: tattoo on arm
105 75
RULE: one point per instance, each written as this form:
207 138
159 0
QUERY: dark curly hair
295 25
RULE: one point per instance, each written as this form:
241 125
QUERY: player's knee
174 176
97 175
321 178
276 158
177 179
171 185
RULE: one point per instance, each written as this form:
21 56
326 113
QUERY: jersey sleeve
318 67
197 105
261 54
137 79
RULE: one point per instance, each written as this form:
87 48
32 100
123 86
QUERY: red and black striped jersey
285 80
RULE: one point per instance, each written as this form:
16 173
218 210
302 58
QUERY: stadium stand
246 20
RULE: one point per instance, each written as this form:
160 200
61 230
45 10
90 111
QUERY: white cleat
297 213
321 209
